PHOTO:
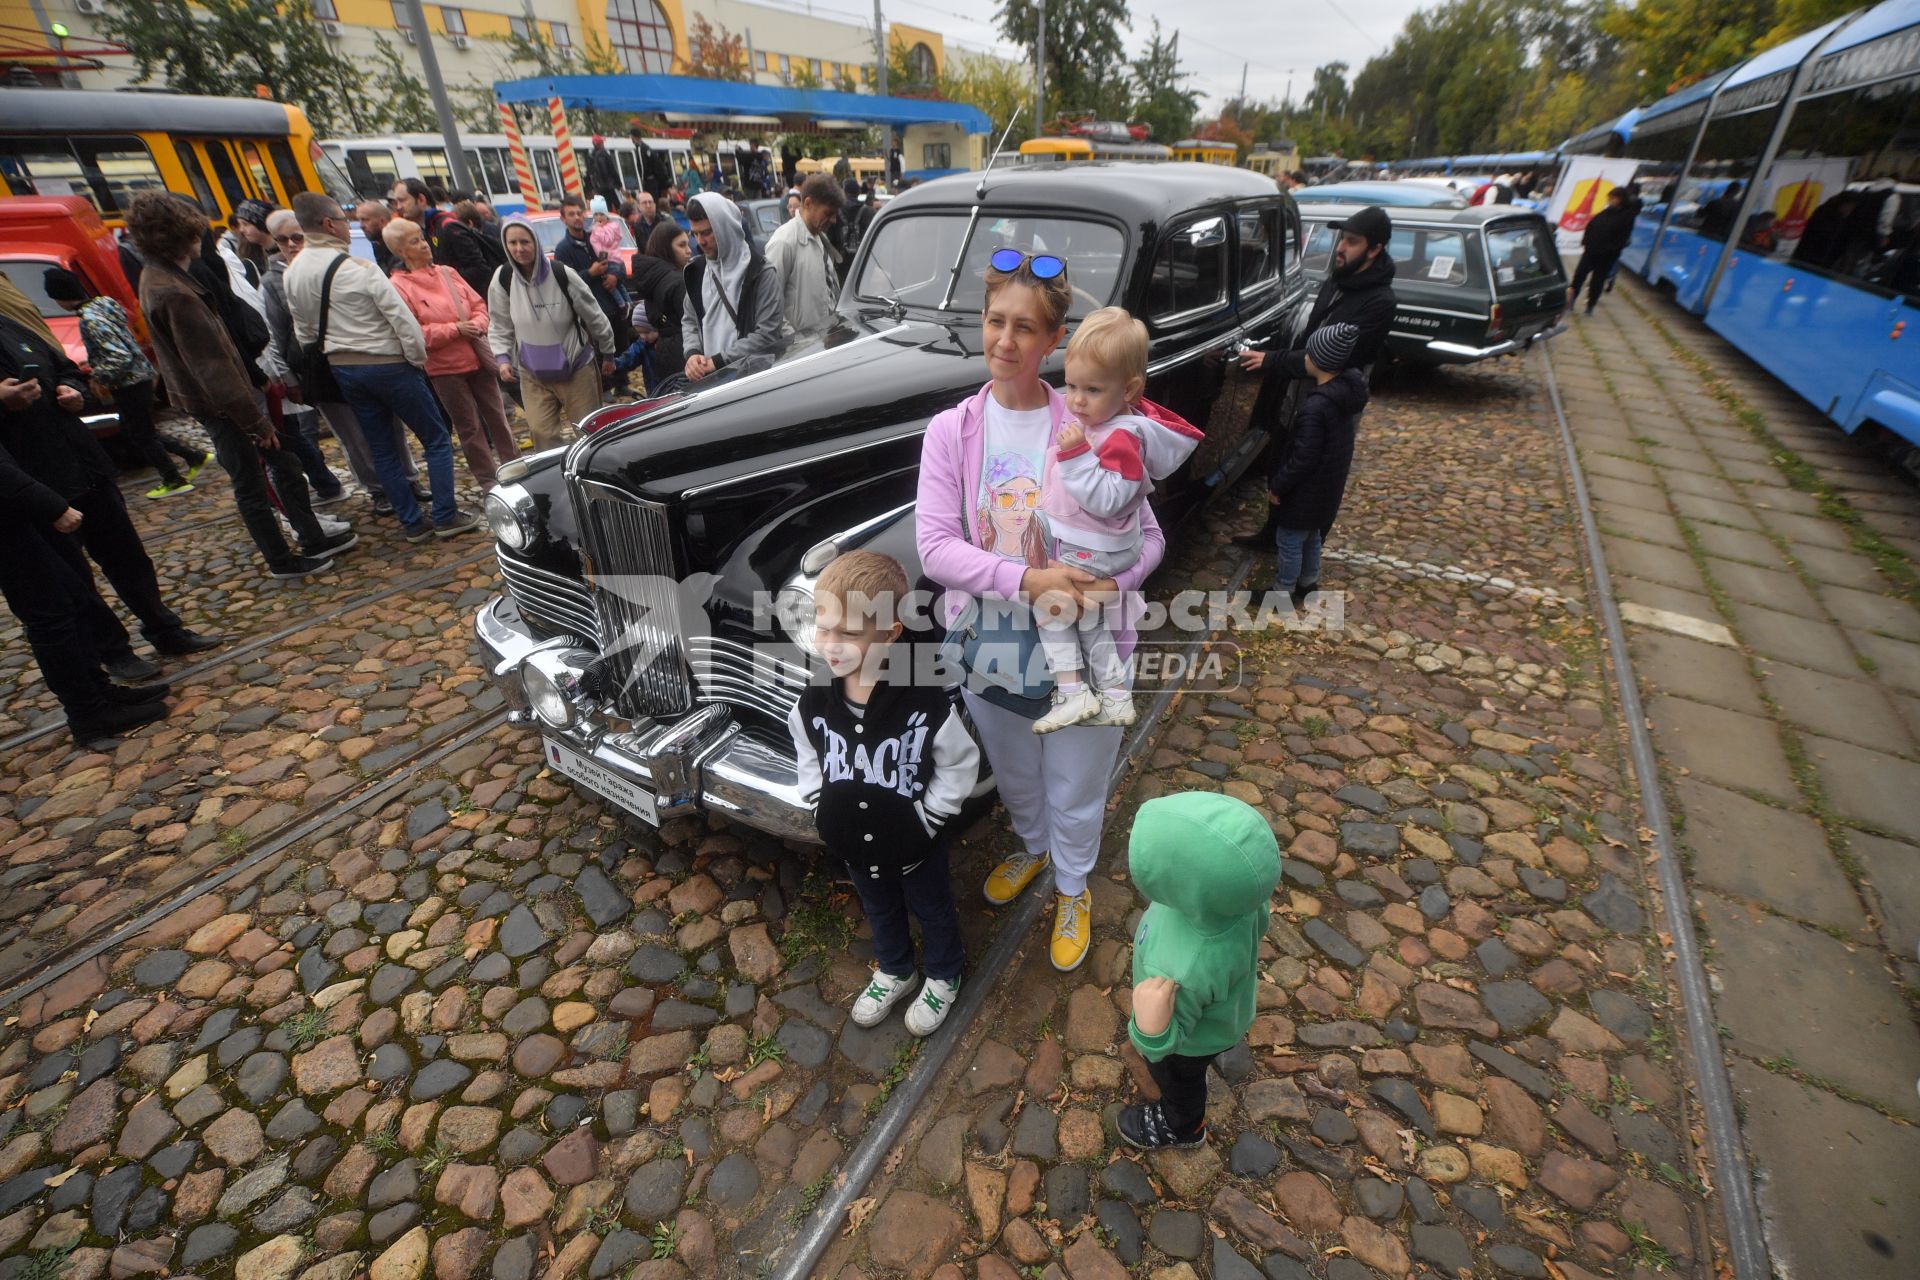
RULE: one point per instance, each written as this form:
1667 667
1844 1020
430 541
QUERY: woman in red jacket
454 318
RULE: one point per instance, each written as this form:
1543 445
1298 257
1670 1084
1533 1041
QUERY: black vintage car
633 632
1470 283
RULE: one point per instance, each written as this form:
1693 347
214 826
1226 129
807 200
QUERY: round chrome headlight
503 516
545 697
793 609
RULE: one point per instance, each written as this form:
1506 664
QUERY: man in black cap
1358 291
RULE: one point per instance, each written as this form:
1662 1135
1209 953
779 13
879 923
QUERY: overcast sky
1216 36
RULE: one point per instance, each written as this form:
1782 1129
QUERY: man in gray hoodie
735 318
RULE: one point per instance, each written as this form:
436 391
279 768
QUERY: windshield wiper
895 308
979 194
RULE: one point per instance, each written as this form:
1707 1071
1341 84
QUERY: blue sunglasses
1041 266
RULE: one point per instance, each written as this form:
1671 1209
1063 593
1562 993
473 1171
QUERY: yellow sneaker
1072 930
1006 881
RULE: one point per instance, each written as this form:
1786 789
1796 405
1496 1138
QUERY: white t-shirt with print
1007 498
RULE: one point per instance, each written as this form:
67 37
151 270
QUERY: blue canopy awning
691 95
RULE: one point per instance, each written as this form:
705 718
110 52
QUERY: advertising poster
1581 193
1797 188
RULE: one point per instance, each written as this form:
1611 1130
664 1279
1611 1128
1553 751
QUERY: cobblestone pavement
441 1014
1766 566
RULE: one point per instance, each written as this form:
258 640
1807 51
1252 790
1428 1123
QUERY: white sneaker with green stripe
882 993
929 1008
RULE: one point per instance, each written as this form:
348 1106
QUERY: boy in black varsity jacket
885 763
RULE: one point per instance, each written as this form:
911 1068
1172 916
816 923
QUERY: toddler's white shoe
1070 707
882 993
929 1008
1116 708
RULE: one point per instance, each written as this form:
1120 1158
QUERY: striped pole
563 143
522 167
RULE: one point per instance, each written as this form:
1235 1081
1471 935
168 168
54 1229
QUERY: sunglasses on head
1041 266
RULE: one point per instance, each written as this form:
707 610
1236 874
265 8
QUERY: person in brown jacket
206 376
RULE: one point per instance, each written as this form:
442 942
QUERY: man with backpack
474 257
736 313
355 331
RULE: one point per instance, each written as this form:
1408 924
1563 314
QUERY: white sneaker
333 526
929 1009
1069 708
1116 708
882 993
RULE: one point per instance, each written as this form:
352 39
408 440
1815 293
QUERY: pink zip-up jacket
425 293
950 462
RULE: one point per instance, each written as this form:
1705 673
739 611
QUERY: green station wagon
1471 284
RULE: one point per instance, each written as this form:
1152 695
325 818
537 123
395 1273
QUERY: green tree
239 45
1328 94
996 86
1160 101
1087 71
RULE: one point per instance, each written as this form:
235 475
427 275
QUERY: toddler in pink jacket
1099 473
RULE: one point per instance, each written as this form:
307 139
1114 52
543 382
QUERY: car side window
1190 271
1319 251
1261 249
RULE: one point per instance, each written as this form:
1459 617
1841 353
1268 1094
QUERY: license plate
601 780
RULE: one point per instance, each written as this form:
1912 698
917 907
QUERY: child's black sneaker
1144 1125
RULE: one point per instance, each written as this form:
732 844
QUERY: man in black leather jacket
1358 291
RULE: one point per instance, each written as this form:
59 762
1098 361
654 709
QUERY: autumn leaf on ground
857 1214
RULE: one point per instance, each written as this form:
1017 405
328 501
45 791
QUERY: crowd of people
265 330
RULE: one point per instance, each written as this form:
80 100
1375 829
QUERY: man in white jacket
805 258
378 356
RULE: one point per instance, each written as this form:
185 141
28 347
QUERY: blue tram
1780 199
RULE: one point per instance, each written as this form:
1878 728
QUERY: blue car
1393 195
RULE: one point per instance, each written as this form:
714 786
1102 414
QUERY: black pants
144 439
925 894
1183 1090
61 614
109 537
1597 264
246 462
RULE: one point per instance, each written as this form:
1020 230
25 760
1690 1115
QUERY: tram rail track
42 971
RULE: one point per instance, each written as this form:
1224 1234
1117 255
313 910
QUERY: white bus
374 163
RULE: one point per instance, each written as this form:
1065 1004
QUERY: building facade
473 39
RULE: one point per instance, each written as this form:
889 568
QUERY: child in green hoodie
1208 865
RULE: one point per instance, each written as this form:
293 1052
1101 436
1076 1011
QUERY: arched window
920 62
641 36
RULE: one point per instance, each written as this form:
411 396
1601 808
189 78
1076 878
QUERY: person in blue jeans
378 355
1310 477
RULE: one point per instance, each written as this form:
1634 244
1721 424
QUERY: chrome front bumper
1460 353
701 762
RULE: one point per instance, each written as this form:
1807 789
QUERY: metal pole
880 62
1750 197
1243 84
442 106
1040 70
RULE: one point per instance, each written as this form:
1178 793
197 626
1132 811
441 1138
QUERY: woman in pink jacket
980 472
454 319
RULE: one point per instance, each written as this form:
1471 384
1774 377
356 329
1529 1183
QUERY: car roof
1389 194
1132 190
1476 215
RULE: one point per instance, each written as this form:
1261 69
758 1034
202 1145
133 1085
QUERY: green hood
1209 858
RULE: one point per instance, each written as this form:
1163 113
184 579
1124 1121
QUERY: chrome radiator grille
742 675
556 603
630 563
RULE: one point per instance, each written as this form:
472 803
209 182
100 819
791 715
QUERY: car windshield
912 258
30 279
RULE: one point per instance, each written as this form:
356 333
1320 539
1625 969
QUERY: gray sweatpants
1085 643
